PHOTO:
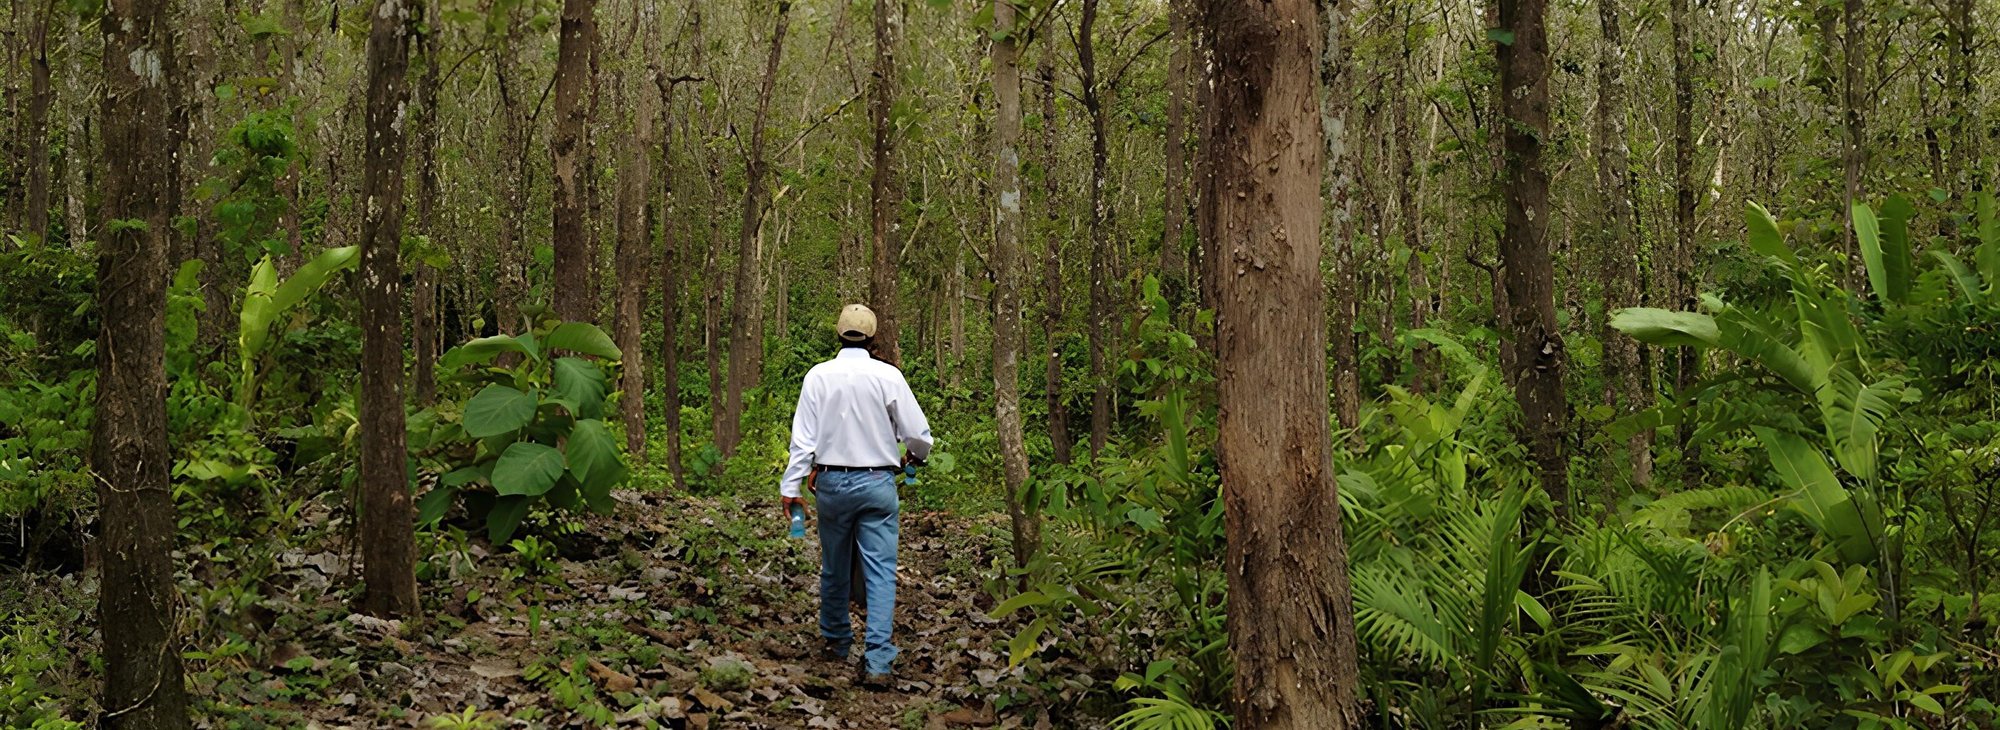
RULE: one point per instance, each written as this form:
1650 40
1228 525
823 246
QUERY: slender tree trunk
745 320
568 149
143 687
1540 359
1408 225
78 154
1052 272
1626 385
1967 159
388 540
511 285
423 304
1100 245
40 96
1291 625
1336 80
881 185
1684 283
1007 278
1853 124
1173 244
634 247
670 291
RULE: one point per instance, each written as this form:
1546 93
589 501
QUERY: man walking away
854 417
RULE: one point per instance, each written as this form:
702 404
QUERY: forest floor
674 611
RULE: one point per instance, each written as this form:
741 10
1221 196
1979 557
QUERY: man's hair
866 343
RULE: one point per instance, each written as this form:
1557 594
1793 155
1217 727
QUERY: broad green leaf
1764 237
579 381
481 472
1821 499
506 515
1987 255
593 457
498 410
1751 336
1853 415
314 274
1664 328
1885 247
432 507
527 469
582 338
479 352
943 463
1018 602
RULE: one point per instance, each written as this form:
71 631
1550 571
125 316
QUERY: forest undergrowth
677 612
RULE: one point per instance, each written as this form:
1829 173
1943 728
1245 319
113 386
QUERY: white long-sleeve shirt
854 410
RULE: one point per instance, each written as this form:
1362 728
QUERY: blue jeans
858 511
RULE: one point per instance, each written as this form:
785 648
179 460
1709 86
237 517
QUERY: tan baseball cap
857 323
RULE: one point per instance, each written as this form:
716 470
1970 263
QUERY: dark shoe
833 651
882 681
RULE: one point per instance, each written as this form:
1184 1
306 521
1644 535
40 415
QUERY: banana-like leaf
1967 281
266 299
1821 499
1763 235
1751 336
1661 327
1853 414
1885 247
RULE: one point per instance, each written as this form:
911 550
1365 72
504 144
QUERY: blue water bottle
798 520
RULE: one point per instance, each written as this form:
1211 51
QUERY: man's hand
785 506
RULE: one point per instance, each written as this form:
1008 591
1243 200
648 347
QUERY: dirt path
673 612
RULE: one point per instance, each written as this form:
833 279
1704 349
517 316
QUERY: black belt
831 467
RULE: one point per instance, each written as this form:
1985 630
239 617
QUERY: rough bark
745 344
35 221
511 282
1967 159
77 150
143 687
634 181
1098 326
1539 356
388 541
1052 272
1626 385
1336 80
1007 278
881 184
1291 626
568 147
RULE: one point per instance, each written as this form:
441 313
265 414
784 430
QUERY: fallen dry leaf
612 679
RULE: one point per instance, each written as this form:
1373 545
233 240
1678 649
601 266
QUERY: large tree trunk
745 342
1336 80
388 540
1007 278
1854 150
77 151
36 156
423 300
1052 276
1291 625
1627 388
881 185
634 248
570 285
1100 245
143 688
1539 356
1173 244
